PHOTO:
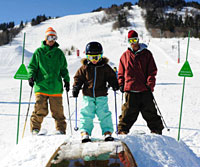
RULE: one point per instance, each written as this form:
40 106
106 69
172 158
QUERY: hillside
169 18
78 30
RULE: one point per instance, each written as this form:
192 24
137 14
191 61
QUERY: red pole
77 52
178 51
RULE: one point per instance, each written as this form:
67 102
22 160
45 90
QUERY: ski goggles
133 40
93 58
51 38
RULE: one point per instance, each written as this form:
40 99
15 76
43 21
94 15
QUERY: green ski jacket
48 66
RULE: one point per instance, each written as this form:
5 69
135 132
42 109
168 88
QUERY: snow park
176 96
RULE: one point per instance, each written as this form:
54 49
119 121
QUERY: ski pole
116 112
76 127
159 111
27 112
122 98
69 113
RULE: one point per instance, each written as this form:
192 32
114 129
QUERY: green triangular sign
21 73
185 70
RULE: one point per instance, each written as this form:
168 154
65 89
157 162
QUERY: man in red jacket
136 77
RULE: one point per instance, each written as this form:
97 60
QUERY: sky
23 10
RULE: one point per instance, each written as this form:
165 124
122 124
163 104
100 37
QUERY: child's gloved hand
115 87
75 92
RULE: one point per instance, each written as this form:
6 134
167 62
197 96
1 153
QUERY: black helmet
93 48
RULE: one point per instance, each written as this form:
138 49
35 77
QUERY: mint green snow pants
98 106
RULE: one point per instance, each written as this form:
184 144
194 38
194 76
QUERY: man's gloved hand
75 91
121 88
67 86
31 82
149 88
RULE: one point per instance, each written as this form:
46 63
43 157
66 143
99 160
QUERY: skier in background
136 77
93 75
47 67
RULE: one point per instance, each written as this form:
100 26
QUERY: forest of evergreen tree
162 24
8 30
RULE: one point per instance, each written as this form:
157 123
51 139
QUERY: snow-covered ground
77 31
185 11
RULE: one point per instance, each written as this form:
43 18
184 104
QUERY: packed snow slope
77 31
148 150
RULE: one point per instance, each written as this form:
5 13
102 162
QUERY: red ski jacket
137 70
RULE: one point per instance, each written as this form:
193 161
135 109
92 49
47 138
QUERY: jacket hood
104 60
142 47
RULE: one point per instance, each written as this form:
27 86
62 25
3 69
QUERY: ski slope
77 31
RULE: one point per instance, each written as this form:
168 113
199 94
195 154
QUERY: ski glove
75 91
115 87
149 88
121 88
67 86
31 82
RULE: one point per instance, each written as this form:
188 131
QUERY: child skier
93 75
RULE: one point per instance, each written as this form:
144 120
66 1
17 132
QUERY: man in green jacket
47 67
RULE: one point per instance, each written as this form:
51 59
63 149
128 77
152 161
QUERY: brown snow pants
41 110
135 103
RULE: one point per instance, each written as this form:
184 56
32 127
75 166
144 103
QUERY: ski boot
35 131
59 132
156 131
122 132
85 137
108 137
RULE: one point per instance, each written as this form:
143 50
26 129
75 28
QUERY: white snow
33 151
185 11
77 30
161 151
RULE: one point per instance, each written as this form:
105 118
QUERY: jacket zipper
94 83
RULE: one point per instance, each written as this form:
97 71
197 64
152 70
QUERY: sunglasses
94 58
133 40
51 38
